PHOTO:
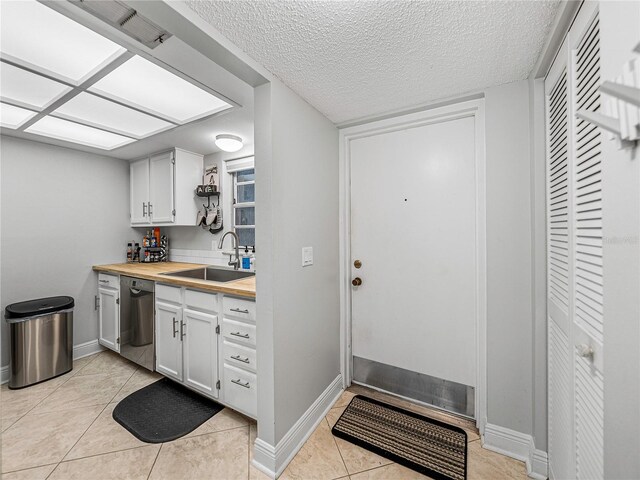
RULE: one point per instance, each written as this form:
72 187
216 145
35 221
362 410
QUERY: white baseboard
79 351
87 348
516 445
273 460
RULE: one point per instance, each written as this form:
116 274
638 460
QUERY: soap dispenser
246 259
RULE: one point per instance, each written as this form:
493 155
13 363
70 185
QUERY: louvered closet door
588 318
575 287
559 268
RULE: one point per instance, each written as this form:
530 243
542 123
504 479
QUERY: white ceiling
355 59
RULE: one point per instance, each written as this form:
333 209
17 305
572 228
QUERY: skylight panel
13 117
93 110
152 88
37 36
73 132
28 88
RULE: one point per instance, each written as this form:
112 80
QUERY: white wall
62 212
298 308
619 33
509 269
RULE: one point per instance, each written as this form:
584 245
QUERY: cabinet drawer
106 280
239 331
240 390
240 308
239 356
201 300
168 294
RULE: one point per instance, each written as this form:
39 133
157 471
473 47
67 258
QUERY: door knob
356 282
585 351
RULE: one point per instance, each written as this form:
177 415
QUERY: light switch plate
307 256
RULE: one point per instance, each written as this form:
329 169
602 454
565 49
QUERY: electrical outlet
307 256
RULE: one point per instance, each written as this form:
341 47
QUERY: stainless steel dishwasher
137 307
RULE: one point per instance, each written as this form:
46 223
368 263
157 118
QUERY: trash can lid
40 306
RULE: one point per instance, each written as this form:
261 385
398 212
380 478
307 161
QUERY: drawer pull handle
240 359
239 382
241 335
104 281
175 330
239 310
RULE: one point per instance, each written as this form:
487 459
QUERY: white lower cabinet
186 339
239 385
240 390
200 351
190 346
108 305
168 340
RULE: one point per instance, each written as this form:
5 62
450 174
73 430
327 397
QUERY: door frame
469 108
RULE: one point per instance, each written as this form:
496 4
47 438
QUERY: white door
413 229
575 256
168 340
139 182
109 318
200 351
161 174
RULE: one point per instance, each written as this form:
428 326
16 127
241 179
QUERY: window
244 206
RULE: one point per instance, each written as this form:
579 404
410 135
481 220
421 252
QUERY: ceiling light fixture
228 143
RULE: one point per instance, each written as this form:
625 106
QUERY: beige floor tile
221 454
7 422
104 436
83 391
109 363
344 399
319 458
391 472
134 464
37 440
223 420
484 464
140 379
15 403
38 473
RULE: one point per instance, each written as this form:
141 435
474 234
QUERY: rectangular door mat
427 446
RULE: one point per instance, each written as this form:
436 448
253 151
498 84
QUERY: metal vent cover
125 19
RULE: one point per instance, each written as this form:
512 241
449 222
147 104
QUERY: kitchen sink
212 274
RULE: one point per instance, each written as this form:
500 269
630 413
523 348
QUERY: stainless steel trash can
41 340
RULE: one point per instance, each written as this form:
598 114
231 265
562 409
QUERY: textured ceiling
354 59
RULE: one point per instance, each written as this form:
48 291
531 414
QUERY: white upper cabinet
161 184
139 192
162 188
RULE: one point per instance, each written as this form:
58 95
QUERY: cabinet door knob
144 209
356 282
175 330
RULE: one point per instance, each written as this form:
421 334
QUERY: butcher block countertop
245 287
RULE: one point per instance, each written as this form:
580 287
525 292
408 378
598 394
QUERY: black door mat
163 411
427 446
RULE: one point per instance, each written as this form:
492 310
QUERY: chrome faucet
232 263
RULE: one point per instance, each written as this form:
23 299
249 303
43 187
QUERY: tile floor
63 430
